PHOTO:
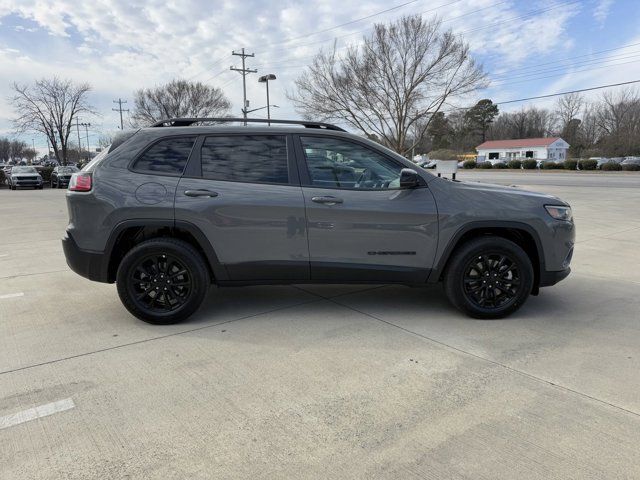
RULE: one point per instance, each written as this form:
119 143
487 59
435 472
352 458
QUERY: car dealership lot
325 381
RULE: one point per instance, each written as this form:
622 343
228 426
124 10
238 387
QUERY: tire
477 263
146 267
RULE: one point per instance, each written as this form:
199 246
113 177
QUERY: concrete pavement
323 381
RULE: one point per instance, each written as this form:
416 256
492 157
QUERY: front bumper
551 278
26 183
85 263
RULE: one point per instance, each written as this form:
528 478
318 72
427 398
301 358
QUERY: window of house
246 158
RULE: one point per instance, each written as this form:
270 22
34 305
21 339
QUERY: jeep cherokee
166 211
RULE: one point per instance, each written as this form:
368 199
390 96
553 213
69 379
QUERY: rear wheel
162 281
489 277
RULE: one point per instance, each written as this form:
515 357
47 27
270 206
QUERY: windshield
23 170
67 170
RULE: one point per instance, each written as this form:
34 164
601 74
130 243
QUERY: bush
551 165
45 173
500 165
469 164
515 164
611 166
485 165
588 164
631 167
530 164
571 164
443 154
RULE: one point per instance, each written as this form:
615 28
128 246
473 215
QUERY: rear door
242 191
361 224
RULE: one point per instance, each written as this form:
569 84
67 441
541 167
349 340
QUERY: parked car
429 164
22 176
184 203
60 176
631 161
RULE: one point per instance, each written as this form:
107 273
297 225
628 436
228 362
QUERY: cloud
122 45
601 11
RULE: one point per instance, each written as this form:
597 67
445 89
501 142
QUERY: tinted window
335 163
246 158
166 156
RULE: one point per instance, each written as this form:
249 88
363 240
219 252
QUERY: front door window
336 163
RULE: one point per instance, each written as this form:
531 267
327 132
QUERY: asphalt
324 381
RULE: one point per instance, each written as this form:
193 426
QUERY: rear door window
166 157
246 158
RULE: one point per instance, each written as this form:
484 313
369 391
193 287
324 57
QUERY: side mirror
409 178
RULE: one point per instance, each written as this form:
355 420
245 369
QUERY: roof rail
185 122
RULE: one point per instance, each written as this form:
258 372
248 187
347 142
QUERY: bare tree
178 98
50 107
618 119
524 123
568 107
402 75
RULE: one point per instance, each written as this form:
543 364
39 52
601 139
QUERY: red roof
519 142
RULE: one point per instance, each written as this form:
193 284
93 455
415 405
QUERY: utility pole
120 109
86 131
79 144
244 71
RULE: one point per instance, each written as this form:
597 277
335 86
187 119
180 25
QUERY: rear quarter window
165 157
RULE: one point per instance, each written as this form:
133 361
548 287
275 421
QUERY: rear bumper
87 264
551 278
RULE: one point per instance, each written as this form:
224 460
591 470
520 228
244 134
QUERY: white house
554 149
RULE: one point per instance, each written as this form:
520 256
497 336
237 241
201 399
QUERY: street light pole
265 79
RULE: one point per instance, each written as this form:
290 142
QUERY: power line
217 62
568 92
531 79
522 16
348 23
564 68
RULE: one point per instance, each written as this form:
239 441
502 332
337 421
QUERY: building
554 149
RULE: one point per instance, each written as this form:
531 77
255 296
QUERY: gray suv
168 210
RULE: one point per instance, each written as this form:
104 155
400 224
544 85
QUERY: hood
508 190
18 174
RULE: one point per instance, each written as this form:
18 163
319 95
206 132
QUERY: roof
518 142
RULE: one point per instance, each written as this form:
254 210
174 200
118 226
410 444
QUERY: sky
527 47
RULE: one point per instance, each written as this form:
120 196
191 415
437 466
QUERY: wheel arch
520 233
128 233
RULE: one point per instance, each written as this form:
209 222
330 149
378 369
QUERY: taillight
80 182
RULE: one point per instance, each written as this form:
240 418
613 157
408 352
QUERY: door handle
200 193
327 200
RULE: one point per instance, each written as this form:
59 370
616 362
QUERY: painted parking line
11 295
2 255
36 412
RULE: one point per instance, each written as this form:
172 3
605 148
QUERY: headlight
560 212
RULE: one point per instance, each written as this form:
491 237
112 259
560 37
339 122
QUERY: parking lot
325 381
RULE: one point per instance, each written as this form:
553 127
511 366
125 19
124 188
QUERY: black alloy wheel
162 280
491 281
488 277
160 283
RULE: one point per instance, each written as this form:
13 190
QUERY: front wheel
162 281
489 277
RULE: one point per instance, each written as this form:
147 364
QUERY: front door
361 225
242 192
